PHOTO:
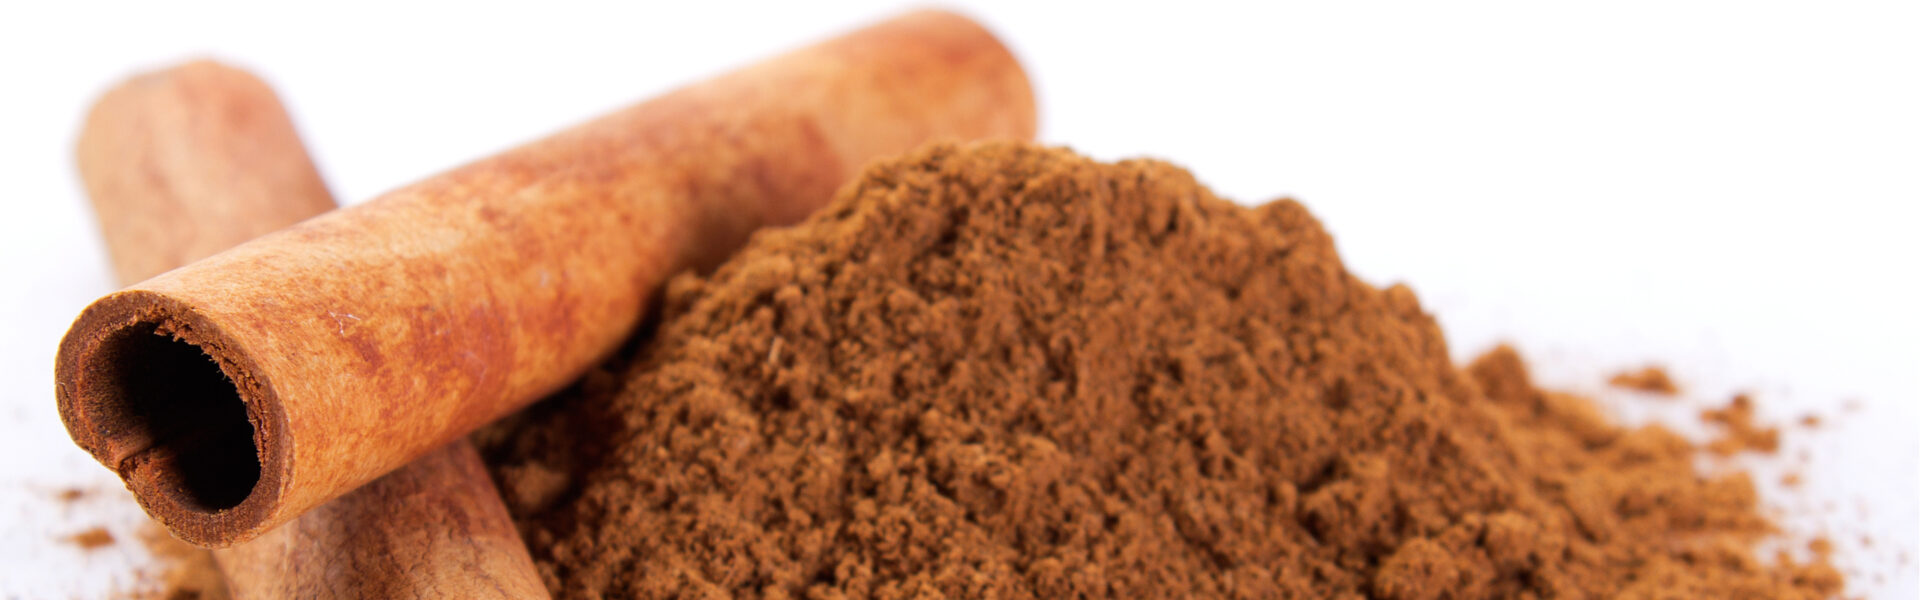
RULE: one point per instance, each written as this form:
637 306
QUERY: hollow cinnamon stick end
154 391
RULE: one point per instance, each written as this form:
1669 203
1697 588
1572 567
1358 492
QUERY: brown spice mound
1011 372
1651 379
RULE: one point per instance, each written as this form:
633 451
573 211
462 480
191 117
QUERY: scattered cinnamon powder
1820 546
1739 431
186 572
94 538
70 495
1011 372
1651 379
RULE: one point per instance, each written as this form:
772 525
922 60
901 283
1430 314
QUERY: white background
1724 188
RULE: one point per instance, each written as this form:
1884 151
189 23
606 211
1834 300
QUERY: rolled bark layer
434 528
357 341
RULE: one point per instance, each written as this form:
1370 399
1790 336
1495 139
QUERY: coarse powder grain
1740 430
93 538
1003 371
1650 379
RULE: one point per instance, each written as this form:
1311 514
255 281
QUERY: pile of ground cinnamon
1011 372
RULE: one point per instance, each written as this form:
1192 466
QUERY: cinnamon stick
435 528
186 162
185 158
357 341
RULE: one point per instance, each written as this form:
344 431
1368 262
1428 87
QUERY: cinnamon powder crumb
1739 431
186 572
70 495
94 538
1820 546
1651 379
1010 372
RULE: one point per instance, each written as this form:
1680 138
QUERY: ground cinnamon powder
93 538
1740 430
1650 379
186 572
1010 372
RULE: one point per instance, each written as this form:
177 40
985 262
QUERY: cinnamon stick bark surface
355 342
435 528
188 157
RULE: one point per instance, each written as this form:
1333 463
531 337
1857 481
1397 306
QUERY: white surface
1724 188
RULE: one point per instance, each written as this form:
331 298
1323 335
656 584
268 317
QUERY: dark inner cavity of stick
172 397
